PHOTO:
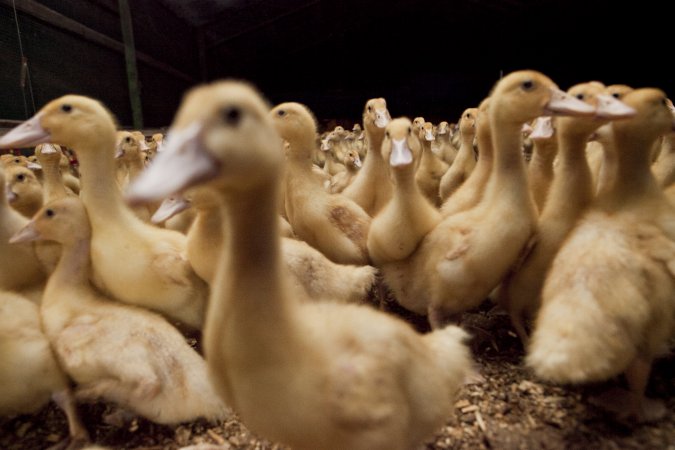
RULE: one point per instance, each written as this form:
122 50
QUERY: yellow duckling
570 194
331 223
120 353
431 168
310 375
135 262
471 191
465 161
24 191
339 181
397 230
29 372
371 188
465 256
607 303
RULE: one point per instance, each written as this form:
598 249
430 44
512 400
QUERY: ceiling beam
58 20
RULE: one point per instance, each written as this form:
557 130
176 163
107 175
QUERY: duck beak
48 149
34 166
182 163
28 134
324 145
357 162
143 145
119 152
612 108
382 118
543 128
563 104
400 153
169 208
26 234
10 195
429 135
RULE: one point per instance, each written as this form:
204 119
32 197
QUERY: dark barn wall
62 63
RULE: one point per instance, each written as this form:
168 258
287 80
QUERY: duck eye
66 108
281 113
17 160
21 177
127 140
527 85
468 115
580 96
409 130
49 212
369 108
387 134
616 95
232 115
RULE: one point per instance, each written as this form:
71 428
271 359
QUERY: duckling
352 164
130 164
49 157
540 167
331 223
175 213
397 230
464 257
417 124
465 161
135 262
431 169
371 188
309 375
19 264
471 191
332 166
603 167
29 372
24 191
570 194
445 149
120 353
308 267
591 328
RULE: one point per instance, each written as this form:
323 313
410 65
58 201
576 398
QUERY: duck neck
99 190
373 160
485 153
633 179
52 181
508 172
249 296
405 185
572 186
135 167
73 268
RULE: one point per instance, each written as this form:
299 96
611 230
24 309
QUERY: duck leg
78 433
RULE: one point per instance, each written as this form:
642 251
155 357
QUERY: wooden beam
130 59
58 20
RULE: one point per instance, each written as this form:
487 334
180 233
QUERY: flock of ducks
248 225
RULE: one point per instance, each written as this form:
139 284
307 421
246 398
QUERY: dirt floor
508 410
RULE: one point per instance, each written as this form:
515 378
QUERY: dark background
428 58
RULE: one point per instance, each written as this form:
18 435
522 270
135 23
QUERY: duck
24 191
49 157
307 267
371 188
467 254
590 329
571 192
352 164
445 149
119 353
431 168
397 230
333 153
603 160
19 266
133 261
331 223
471 191
29 373
128 155
309 375
464 163
540 166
